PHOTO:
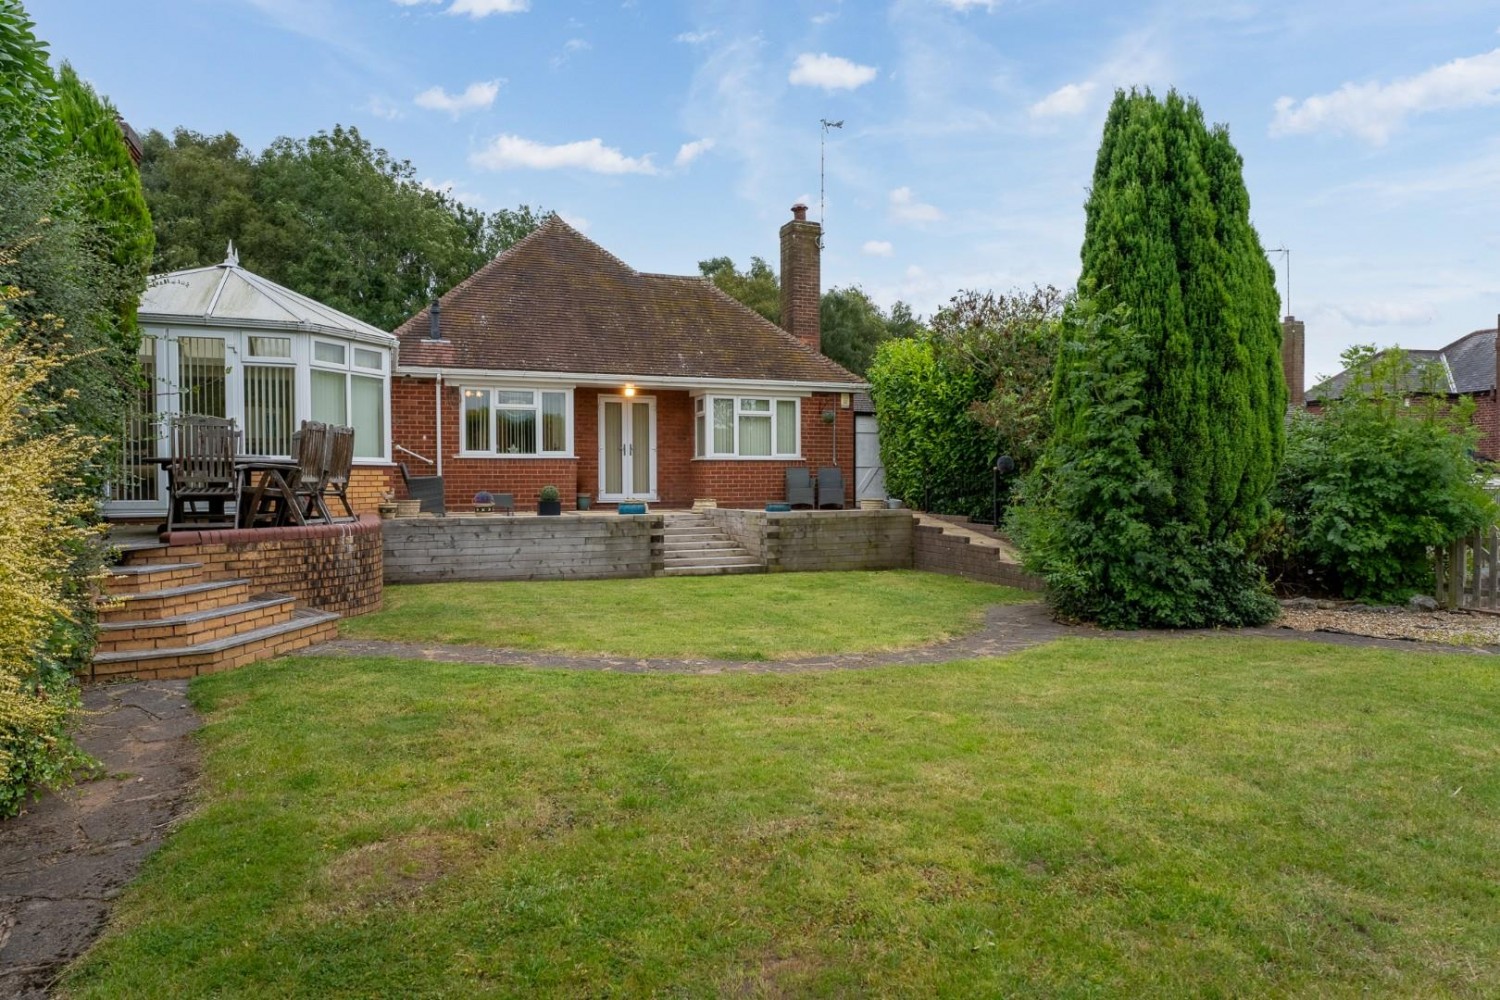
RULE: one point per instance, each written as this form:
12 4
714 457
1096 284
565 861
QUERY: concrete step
136 579
172 601
711 570
195 626
718 558
697 544
302 629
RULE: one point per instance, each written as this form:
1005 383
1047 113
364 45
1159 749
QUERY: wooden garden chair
202 472
340 456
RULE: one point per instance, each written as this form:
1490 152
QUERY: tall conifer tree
1169 254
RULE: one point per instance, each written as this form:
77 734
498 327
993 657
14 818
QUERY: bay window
515 422
745 427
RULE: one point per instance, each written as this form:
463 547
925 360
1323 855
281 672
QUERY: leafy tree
758 288
30 132
1010 342
110 194
852 327
935 456
1169 254
331 216
1381 475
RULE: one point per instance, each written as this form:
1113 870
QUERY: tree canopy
330 216
852 325
1183 310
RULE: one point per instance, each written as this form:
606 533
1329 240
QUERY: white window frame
703 433
351 371
494 409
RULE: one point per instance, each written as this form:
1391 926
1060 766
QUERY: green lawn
727 617
1109 817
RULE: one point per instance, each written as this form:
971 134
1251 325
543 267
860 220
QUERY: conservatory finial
231 256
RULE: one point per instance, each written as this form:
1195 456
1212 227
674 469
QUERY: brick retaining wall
332 567
936 552
501 547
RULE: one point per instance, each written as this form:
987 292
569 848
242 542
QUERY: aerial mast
822 182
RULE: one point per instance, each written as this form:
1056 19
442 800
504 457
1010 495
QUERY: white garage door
869 473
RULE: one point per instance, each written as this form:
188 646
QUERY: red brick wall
1486 418
680 478
333 567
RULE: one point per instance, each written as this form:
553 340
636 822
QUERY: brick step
173 601
195 626
712 570
135 578
131 547
303 629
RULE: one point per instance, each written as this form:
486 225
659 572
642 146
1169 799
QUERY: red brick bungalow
1470 366
557 364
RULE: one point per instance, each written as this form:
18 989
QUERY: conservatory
222 341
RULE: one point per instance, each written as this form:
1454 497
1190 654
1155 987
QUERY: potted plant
387 505
630 505
483 502
549 501
584 500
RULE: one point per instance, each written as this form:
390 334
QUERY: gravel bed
1454 628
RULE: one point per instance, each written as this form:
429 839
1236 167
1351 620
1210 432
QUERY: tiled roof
1467 365
558 302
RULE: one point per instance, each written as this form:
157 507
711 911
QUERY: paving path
1008 628
68 856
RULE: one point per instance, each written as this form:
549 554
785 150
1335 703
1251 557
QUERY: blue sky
675 131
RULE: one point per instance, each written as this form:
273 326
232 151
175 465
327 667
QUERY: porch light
629 389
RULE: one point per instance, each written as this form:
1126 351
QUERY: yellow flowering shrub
45 523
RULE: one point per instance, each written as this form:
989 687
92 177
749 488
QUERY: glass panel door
201 376
627 448
138 480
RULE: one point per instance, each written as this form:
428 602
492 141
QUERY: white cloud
511 151
877 248
824 18
473 199
1373 111
484 8
963 5
696 37
571 46
690 151
413 3
381 108
1376 313
829 72
1069 99
906 208
477 95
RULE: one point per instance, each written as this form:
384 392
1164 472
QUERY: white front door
627 448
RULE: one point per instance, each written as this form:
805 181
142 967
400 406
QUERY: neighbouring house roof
1467 365
557 302
227 295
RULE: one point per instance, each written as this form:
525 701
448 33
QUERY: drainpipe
437 399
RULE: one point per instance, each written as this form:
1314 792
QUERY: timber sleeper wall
501 547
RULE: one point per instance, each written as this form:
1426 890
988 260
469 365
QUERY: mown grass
728 617
1108 817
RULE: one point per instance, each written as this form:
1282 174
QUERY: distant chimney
435 320
1293 364
801 278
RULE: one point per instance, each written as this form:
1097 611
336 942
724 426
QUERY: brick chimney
801 278
1293 365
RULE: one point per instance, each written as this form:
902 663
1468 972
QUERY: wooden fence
1468 572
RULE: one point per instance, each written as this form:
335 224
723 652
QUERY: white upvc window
270 395
746 427
349 388
517 422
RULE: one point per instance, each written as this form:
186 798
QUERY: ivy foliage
331 216
1382 474
1184 317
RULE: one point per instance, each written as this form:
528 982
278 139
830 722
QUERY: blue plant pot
632 508
778 508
